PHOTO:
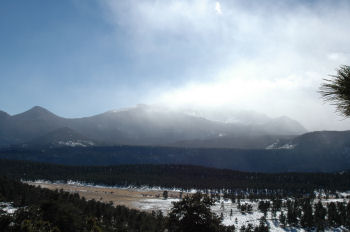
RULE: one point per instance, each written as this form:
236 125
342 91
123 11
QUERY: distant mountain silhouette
145 125
36 113
3 115
28 125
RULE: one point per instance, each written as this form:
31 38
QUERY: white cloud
218 7
263 55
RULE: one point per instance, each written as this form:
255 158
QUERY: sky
79 58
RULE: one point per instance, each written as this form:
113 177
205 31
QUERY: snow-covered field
222 207
132 187
156 203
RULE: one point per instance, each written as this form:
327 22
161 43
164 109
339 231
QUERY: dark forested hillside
320 159
179 176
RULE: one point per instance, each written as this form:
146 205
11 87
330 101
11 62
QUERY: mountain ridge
140 125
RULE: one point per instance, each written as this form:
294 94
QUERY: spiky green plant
337 90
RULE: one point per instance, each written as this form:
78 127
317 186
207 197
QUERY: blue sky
79 58
59 55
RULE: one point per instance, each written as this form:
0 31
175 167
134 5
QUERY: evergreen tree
333 216
306 220
283 219
319 216
291 213
263 227
193 213
264 206
337 90
341 210
347 221
165 195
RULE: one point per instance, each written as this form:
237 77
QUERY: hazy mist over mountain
146 125
146 134
266 56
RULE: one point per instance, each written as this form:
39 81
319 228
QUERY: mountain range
151 135
144 125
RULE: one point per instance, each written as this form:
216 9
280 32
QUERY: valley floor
141 199
152 200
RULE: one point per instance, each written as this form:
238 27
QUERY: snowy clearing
150 199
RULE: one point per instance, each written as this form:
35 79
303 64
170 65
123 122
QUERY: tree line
184 177
308 213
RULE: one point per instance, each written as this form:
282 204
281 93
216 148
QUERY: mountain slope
317 141
143 125
284 126
260 122
62 137
3 115
28 125
327 159
234 141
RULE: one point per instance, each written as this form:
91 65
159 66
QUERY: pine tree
193 213
347 221
319 216
165 195
306 220
337 90
263 227
341 208
291 214
283 219
333 216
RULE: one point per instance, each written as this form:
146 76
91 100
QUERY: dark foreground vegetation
308 213
286 198
180 176
46 210
57 211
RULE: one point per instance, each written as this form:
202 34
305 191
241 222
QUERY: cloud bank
267 56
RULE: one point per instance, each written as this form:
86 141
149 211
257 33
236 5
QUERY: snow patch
156 204
78 143
276 145
133 187
7 207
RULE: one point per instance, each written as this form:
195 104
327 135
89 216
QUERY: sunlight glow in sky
79 58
